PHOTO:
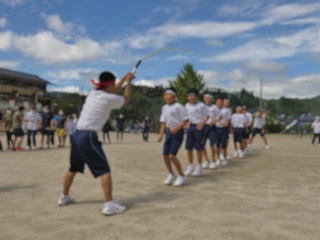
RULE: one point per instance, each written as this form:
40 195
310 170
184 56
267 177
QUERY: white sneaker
28 148
169 180
189 170
179 181
227 157
213 165
197 172
65 200
205 164
245 151
110 208
267 147
218 162
235 154
241 155
33 148
221 157
224 163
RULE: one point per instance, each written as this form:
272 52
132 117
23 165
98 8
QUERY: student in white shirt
33 125
198 115
226 106
239 126
222 133
210 131
249 118
316 130
86 148
173 118
259 126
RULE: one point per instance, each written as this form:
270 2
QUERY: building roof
22 77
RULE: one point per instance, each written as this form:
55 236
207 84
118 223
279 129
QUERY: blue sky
71 42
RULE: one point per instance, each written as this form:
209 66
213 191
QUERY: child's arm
177 129
127 91
162 130
118 86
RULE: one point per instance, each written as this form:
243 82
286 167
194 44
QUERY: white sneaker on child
222 157
197 172
213 165
65 200
224 163
179 181
189 170
205 164
169 180
241 155
267 147
218 163
110 208
235 154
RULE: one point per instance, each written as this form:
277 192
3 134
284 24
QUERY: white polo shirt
316 127
214 113
96 110
249 119
197 112
173 115
33 118
259 122
226 116
238 120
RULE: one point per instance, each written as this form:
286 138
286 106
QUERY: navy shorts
238 134
86 149
247 134
172 143
222 137
194 138
209 133
18 132
256 131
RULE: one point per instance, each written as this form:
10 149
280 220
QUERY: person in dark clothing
146 128
120 127
46 125
105 131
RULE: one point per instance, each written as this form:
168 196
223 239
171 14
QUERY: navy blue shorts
222 137
209 133
172 143
238 134
194 138
86 149
247 134
256 131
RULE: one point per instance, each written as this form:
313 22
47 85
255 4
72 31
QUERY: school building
22 89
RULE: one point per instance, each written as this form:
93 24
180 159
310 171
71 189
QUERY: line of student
203 121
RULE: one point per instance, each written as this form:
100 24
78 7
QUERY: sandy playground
271 194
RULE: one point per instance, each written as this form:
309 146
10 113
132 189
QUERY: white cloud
3 22
74 74
258 66
152 83
302 21
177 57
13 3
55 23
68 89
6 39
47 48
9 64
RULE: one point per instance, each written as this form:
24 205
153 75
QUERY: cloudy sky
239 42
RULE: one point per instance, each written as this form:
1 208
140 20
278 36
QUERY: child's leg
68 179
34 138
265 140
168 163
314 138
190 156
213 152
205 154
108 136
29 138
106 183
176 163
199 155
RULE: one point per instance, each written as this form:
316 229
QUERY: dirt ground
271 194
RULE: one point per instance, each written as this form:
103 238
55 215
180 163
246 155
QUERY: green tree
188 78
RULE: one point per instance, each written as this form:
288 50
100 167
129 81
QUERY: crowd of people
19 123
205 121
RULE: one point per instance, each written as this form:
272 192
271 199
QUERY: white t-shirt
214 113
197 112
259 122
238 120
249 119
33 118
316 127
97 108
226 116
173 115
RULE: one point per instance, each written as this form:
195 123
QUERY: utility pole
261 81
